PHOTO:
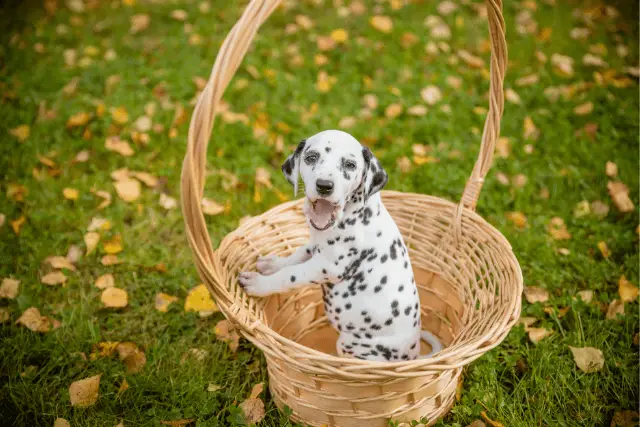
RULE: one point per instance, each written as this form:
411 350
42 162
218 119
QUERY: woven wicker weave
469 281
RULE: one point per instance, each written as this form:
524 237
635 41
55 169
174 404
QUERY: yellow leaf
61 422
588 359
114 298
340 35
586 296
17 224
128 189
604 249
113 246
530 130
91 240
168 202
199 299
417 110
123 387
54 278
423 160
110 260
60 262
518 219
9 288
582 209
558 229
489 421
71 193
78 119
627 291
163 301
139 22
105 281
21 132
120 115
84 393
381 23
583 109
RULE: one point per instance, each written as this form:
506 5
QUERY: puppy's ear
291 166
374 177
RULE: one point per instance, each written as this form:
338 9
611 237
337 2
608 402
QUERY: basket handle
491 130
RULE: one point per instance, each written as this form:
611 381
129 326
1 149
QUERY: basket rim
471 346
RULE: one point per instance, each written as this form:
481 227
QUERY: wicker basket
469 281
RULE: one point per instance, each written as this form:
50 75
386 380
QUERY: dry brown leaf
370 101
627 291
616 307
625 419
584 109
586 295
588 359
253 410
431 95
60 262
526 321
5 316
210 207
115 144
558 229
128 189
168 202
21 133
163 301
121 174
61 422
110 260
562 64
471 60
114 298
9 288
381 23
84 393
105 281
534 294
511 96
529 80
599 209
392 111
82 156
225 331
179 15
78 119
611 169
489 421
537 334
34 321
619 194
518 219
139 22
91 240
54 278
133 357
347 122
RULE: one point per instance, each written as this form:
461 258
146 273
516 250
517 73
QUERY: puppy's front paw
255 284
268 264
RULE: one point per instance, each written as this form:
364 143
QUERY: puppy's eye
311 157
350 165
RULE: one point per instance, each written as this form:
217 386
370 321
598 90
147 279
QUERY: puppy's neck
357 203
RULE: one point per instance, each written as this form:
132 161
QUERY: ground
572 106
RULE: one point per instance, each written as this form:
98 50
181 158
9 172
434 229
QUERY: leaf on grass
110 260
253 410
213 387
340 35
489 421
583 109
54 278
383 24
534 294
526 321
114 245
393 110
471 60
616 307
163 301
225 331
16 224
518 219
562 64
537 334
417 110
599 209
5 316
91 240
128 189
168 202
627 291
143 124
61 422
105 281
511 96
139 22
9 288
530 131
431 95
199 299
71 193
588 359
619 194
210 207
625 419
84 393
178 423
124 386
21 133
78 119
60 262
148 179
133 357
558 229
120 115
117 145
586 296
114 298
611 169
179 15
604 249
582 209
34 321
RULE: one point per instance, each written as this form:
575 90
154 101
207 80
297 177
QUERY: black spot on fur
407 310
327 149
389 321
293 279
384 258
400 288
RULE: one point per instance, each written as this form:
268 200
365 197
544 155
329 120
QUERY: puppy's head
335 170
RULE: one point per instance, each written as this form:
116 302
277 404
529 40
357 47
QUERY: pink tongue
321 214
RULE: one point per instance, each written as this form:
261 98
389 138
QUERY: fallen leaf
528 80
526 321
105 281
616 307
625 419
82 156
213 387
17 224
619 194
604 249
558 229
61 422
110 260
537 334
210 207
54 278
586 295
381 23
124 386
133 358
534 294
34 321
431 95
256 390
599 209
115 144
471 60
627 291
60 262
530 131
120 115
446 7
511 96
393 110
562 64
91 240
139 22
21 133
9 288
143 124
370 101
582 209
199 299
588 359
611 169
489 421
168 202
84 393
518 219
121 174
78 119
70 193
114 245
128 189
253 410
178 423
5 316
340 35
583 109
163 301
325 43
347 122
179 15
225 331
114 298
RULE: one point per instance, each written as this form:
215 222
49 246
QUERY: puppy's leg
272 263
285 279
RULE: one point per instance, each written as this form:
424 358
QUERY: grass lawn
76 74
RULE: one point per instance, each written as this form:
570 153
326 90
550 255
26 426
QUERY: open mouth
322 214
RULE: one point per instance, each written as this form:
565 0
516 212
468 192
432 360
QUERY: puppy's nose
324 187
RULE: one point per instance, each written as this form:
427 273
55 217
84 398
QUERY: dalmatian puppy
355 252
